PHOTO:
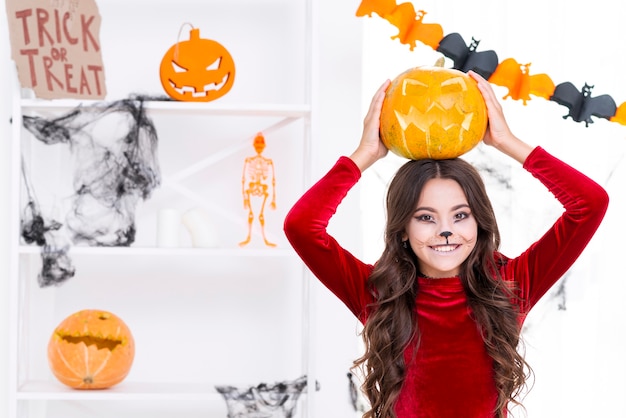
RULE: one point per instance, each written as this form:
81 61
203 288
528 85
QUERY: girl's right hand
371 148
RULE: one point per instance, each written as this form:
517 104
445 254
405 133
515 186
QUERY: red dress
451 376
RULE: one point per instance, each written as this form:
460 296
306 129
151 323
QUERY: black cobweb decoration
278 400
357 398
114 151
56 264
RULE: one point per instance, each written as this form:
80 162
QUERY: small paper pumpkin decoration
432 112
91 349
197 70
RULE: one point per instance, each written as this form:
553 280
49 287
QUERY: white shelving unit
200 317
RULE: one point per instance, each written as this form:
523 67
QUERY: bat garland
516 77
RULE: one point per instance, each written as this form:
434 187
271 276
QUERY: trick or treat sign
56 48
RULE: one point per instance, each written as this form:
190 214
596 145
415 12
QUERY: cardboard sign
56 48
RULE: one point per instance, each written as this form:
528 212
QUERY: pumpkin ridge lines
428 145
67 364
102 365
113 380
86 358
405 143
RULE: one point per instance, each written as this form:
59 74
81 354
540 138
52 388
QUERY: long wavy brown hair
391 324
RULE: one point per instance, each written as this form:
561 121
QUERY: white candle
201 229
168 225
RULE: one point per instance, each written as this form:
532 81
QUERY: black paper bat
581 105
465 57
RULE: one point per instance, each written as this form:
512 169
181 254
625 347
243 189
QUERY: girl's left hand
497 128
498 134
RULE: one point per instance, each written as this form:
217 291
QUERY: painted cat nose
445 234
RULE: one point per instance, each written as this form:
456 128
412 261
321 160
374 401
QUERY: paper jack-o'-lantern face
433 113
197 70
91 349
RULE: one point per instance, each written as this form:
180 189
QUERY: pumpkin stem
193 34
440 61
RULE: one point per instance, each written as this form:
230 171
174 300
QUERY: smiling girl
442 308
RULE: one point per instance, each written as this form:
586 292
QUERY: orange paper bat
620 114
411 28
516 77
381 7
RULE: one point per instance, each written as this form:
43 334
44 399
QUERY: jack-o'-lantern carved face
432 112
197 70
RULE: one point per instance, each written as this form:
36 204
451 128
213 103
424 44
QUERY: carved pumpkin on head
432 112
197 70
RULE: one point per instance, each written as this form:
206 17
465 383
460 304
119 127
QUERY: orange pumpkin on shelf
432 112
197 70
91 349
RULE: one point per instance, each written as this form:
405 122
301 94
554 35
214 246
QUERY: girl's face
441 208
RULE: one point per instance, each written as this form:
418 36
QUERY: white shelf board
157 251
285 110
127 390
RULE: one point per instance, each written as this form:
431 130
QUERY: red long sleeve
305 228
585 203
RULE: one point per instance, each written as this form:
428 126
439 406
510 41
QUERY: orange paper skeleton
258 178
